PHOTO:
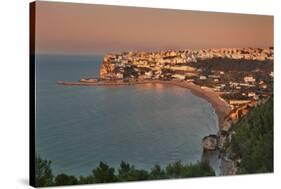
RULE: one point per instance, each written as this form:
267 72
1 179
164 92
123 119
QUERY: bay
77 127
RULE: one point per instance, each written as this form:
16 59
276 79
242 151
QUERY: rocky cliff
106 68
210 142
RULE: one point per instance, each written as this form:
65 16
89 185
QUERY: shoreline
221 108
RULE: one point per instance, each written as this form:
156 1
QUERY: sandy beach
221 107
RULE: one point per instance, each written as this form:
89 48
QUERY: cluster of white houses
260 54
173 64
152 65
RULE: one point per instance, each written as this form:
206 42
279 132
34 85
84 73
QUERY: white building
178 76
119 75
202 77
251 94
248 79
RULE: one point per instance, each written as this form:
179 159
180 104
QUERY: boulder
210 142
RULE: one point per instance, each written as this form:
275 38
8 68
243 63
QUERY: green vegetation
252 141
43 172
126 172
63 179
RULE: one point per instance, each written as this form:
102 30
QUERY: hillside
251 144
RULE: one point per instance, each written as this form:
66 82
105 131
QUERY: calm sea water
77 127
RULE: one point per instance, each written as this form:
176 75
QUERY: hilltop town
242 77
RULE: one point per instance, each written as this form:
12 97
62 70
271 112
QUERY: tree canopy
103 173
252 141
43 172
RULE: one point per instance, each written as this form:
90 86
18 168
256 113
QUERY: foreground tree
43 172
103 173
63 179
157 173
125 172
175 170
86 180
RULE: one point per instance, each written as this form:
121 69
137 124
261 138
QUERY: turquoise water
76 127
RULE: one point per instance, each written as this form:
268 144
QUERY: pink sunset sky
73 28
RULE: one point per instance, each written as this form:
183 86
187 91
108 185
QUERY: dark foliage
227 64
63 179
43 172
253 140
126 172
103 173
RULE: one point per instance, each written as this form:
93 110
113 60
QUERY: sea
78 126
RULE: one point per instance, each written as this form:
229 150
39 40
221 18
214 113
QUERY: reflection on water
148 86
158 87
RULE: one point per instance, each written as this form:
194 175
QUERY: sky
72 28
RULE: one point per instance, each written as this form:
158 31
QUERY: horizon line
139 50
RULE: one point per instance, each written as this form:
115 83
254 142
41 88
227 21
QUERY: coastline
221 108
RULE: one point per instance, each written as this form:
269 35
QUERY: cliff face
106 68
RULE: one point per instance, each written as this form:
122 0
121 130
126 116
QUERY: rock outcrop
210 142
106 69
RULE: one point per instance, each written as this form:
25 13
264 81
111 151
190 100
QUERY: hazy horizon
74 28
